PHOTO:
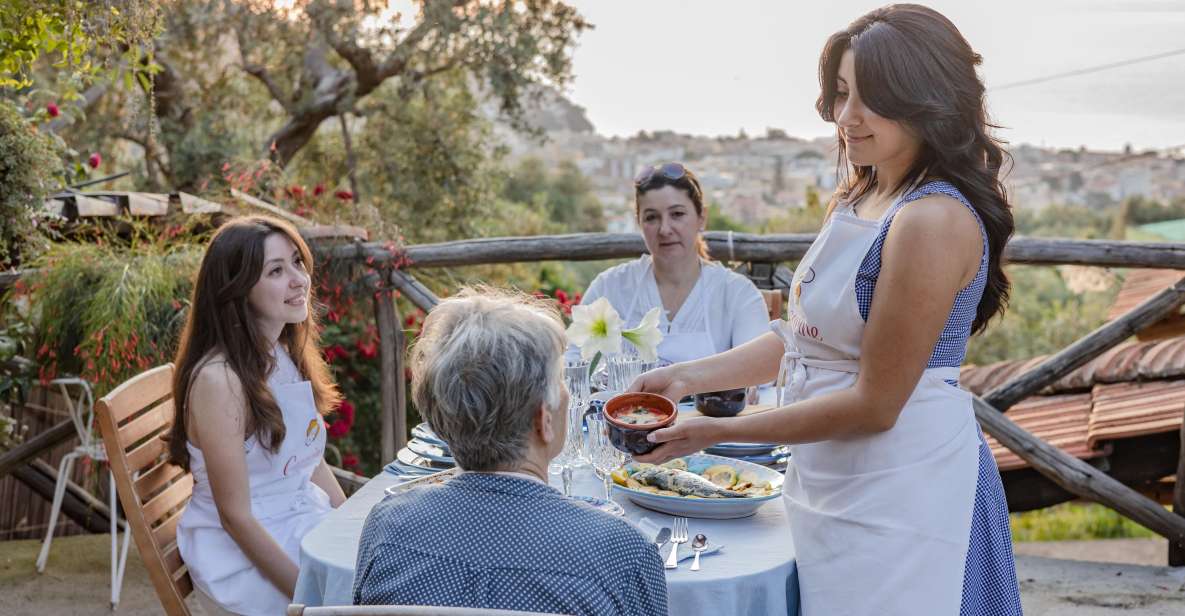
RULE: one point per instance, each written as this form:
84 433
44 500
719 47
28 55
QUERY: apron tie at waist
794 364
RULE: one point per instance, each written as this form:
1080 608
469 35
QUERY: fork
678 536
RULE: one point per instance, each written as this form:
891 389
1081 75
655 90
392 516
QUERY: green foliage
1044 316
1064 221
1074 522
107 312
29 170
73 36
562 193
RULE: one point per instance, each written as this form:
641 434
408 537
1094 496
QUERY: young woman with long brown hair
894 500
250 390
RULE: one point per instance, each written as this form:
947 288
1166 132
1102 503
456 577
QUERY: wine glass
604 456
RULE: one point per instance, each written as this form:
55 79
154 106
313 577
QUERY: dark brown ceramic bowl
631 438
726 403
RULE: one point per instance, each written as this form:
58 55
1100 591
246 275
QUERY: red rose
95 160
339 428
52 110
344 195
346 411
368 350
318 190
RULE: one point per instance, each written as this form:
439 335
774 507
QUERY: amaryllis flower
95 160
646 336
595 328
52 110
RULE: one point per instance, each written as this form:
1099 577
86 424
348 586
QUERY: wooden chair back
773 303
153 493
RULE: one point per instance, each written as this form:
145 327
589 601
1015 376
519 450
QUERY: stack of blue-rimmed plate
765 454
426 453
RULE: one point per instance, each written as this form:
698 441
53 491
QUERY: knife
664 535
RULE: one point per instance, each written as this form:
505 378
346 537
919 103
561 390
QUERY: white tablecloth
753 575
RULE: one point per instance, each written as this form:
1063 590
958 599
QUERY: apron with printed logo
880 523
283 498
676 347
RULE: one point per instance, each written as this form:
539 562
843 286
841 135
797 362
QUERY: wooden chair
773 303
402 610
132 419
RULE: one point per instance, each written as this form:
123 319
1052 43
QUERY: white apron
881 524
679 346
283 498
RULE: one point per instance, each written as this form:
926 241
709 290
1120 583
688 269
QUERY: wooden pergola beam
1079 477
18 456
1097 342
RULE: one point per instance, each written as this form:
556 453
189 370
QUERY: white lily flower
646 336
595 328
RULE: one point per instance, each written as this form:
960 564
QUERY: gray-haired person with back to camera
487 375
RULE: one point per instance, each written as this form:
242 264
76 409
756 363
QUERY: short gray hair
484 363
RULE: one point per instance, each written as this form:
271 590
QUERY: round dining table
752 574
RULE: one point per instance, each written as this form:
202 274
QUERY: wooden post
391 384
1177 551
1088 347
17 456
77 504
1079 477
414 290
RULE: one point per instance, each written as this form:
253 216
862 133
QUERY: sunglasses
670 171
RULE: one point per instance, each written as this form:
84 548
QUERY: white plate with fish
695 486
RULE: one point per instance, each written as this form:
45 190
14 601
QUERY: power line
1084 71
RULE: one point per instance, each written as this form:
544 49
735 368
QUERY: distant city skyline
690 67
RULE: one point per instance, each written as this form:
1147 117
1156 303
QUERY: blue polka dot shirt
495 541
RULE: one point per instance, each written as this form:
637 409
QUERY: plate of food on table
699 486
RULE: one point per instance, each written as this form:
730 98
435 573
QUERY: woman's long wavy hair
914 66
221 321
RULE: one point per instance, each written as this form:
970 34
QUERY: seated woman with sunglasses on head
705 307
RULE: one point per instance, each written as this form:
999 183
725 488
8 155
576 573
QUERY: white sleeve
746 307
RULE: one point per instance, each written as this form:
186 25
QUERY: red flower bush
52 110
344 195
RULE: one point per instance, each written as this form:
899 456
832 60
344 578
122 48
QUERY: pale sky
708 67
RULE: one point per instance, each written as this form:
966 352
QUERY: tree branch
259 72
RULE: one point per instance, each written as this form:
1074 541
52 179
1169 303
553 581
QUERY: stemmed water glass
576 379
604 456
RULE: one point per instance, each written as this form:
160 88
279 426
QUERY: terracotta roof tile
1061 421
1126 410
1139 285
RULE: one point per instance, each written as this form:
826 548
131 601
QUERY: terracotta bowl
631 438
726 403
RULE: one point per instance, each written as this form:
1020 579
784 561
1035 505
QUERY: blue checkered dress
989 582
502 542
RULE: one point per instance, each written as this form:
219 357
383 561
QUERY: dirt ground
1056 579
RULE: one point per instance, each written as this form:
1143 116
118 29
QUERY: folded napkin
650 528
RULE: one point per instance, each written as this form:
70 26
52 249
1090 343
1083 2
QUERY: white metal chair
82 413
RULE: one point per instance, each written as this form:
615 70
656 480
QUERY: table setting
715 517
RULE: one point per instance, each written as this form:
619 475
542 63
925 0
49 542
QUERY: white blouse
735 310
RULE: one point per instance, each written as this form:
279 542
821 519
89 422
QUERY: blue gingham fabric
952 342
494 541
989 583
989 579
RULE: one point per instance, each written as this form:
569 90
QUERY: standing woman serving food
894 500
250 390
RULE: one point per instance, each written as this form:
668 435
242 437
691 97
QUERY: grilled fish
682 482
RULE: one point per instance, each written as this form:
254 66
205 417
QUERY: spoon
698 545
